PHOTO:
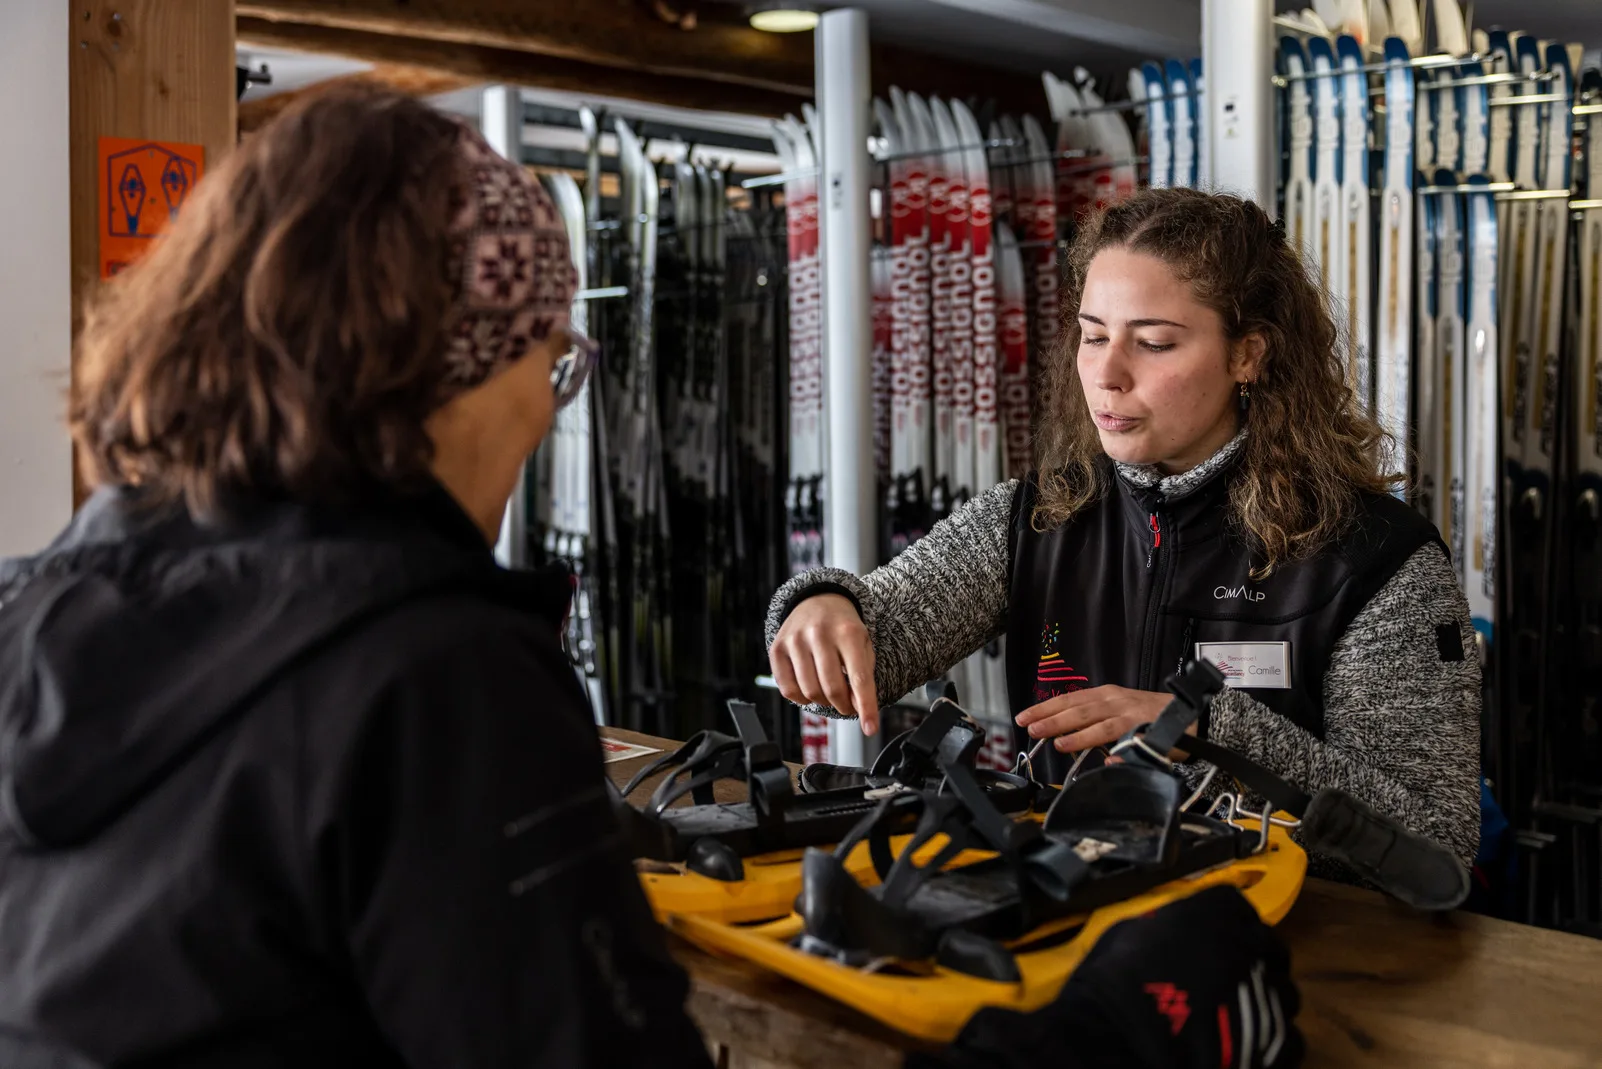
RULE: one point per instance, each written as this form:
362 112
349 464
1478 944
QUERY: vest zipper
1153 602
1184 645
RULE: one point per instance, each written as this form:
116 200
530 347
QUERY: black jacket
306 789
1180 577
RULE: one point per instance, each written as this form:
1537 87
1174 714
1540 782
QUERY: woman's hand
823 654
1098 716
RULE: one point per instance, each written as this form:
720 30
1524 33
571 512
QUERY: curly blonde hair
1311 448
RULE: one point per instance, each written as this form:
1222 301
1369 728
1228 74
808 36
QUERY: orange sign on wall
143 187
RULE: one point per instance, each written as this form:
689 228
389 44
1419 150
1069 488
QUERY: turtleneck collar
1177 487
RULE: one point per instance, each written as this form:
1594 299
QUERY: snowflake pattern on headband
509 264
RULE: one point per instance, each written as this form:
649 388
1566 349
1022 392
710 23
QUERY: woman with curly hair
1208 485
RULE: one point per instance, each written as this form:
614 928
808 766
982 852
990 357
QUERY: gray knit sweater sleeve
1401 724
939 600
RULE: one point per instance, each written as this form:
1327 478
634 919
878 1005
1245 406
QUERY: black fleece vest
1124 592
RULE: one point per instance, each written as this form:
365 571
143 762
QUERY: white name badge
1264 665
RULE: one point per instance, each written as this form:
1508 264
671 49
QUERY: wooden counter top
1381 984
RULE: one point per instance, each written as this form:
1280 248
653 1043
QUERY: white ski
987 675
1326 243
1198 89
1353 287
1299 213
1114 178
1480 465
1426 378
1159 125
1183 110
1442 424
1393 345
1014 333
1040 258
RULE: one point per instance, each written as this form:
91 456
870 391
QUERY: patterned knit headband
508 262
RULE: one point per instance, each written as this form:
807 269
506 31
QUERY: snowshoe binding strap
1404 864
1412 868
846 922
711 756
910 759
1193 688
913 760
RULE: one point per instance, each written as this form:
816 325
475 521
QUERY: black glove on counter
1200 984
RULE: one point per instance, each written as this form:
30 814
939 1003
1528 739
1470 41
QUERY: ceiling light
782 16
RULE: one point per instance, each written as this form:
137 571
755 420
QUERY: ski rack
1134 105
1504 191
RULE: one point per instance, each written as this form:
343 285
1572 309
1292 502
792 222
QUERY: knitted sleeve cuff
810 585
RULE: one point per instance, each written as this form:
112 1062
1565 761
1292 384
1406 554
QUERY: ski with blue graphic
1198 89
1159 126
1183 111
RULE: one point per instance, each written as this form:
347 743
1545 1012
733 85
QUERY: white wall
35 277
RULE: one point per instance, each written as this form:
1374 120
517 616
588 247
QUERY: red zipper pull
1156 539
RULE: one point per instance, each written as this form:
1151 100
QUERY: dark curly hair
1311 447
284 336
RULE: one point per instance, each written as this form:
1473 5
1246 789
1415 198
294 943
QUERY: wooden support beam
604 33
610 47
158 69
403 78
488 64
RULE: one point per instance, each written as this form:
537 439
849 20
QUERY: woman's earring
1245 395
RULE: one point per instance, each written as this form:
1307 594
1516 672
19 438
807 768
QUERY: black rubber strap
1193 690
726 763
701 746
